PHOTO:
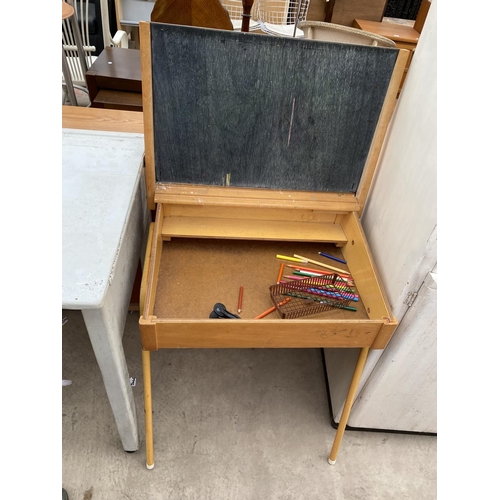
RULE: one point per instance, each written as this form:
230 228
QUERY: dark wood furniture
345 11
115 81
201 13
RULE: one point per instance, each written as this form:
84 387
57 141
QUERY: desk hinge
410 298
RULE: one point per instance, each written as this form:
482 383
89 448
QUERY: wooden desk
114 80
103 238
404 36
215 231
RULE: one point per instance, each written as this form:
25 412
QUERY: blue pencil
332 257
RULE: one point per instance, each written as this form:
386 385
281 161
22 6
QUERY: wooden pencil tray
201 255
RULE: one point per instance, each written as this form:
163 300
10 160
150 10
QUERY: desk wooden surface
102 119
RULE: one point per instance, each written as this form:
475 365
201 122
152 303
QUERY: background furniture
103 238
74 64
398 390
317 30
235 9
405 37
279 17
202 13
402 9
345 11
92 20
114 80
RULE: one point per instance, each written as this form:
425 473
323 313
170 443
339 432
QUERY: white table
104 227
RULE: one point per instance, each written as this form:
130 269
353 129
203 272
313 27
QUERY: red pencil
240 299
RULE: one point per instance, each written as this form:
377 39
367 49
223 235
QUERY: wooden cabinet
114 80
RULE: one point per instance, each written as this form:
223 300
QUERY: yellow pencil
321 264
284 257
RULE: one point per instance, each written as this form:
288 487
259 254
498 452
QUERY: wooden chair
329 32
280 17
235 10
85 14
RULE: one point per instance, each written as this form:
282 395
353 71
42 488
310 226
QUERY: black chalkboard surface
262 111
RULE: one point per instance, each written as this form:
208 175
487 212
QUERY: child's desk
104 218
257 146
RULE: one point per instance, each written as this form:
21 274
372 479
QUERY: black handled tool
220 312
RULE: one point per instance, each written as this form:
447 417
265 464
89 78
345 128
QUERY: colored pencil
294 266
343 271
342 261
292 259
269 311
304 273
240 299
307 269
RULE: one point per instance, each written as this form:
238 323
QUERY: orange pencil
269 311
280 274
240 299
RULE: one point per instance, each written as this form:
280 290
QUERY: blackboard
264 112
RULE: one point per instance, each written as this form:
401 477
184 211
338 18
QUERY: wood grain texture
107 120
362 267
153 265
203 13
393 31
257 213
297 333
345 11
250 229
118 99
271 112
197 195
147 106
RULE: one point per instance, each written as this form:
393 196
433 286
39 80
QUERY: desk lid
250 111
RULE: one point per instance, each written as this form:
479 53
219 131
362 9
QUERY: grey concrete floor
228 424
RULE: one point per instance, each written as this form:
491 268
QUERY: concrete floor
228 424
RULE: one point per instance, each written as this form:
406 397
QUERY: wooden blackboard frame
365 174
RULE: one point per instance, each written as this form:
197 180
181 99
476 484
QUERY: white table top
100 175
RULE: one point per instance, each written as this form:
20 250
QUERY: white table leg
105 325
106 338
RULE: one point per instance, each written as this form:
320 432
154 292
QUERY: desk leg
148 408
103 327
358 370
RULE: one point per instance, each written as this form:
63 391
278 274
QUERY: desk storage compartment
187 275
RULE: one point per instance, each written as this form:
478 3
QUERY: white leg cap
331 462
150 466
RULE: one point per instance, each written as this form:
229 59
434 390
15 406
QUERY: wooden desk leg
349 400
148 408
